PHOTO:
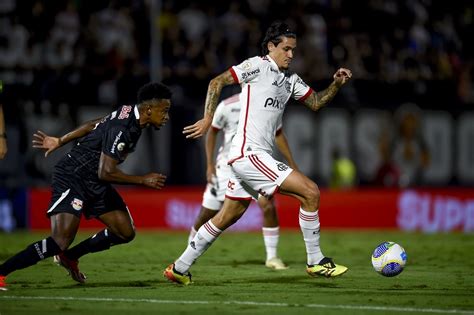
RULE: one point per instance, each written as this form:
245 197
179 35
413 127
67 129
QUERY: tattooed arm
200 128
319 99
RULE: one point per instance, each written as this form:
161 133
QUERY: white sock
204 237
270 238
309 223
191 234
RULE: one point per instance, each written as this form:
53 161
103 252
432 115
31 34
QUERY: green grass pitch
231 278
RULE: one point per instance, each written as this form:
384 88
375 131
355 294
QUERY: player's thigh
299 186
113 212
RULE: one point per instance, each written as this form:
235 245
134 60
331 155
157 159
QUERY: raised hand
341 76
198 129
154 180
43 141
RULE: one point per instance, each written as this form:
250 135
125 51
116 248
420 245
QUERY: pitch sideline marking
274 304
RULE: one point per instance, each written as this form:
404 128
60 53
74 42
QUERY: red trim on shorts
245 128
261 168
234 75
215 128
310 91
238 198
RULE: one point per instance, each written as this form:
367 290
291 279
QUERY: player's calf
31 255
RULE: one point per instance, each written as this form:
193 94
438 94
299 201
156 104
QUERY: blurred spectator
410 152
343 173
387 174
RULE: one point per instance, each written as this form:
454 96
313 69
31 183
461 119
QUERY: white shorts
213 197
256 174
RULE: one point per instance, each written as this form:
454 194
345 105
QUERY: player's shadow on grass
112 284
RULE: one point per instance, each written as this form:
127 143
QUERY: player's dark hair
274 34
153 90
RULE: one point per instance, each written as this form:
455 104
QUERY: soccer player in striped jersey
218 173
267 85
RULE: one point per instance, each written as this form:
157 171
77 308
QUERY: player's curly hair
274 34
153 90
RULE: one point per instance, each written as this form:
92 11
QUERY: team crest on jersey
125 112
247 65
76 204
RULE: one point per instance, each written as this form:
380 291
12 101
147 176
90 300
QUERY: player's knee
63 242
267 208
126 235
312 194
129 235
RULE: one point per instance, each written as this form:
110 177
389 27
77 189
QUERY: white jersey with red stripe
265 93
226 119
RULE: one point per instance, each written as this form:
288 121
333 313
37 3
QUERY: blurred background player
82 182
267 85
226 119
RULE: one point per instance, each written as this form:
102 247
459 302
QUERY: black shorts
76 195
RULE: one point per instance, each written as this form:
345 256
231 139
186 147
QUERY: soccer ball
389 259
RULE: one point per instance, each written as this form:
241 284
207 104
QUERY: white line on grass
327 306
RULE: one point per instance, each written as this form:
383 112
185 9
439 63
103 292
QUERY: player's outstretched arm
49 143
284 148
199 128
109 172
319 99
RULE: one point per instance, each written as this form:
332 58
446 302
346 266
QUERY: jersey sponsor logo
246 75
273 102
230 185
114 145
282 167
125 112
76 204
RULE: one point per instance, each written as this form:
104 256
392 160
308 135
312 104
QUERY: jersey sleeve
301 90
247 70
218 122
115 143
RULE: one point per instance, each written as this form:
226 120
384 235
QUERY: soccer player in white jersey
226 119
267 85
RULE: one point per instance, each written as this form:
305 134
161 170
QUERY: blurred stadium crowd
59 59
